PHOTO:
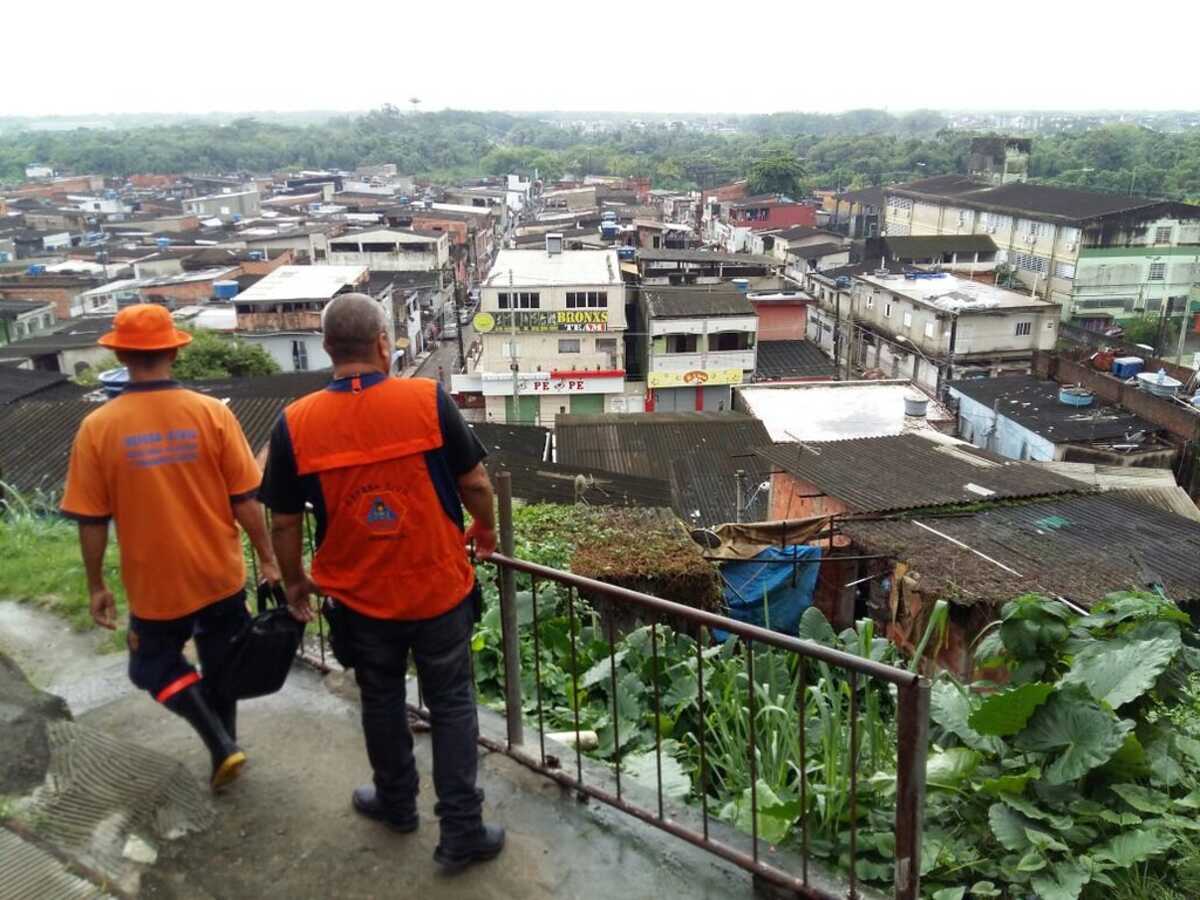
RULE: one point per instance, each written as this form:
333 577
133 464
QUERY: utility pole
837 327
512 349
739 479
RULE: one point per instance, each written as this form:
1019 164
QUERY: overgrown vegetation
1073 772
853 149
209 355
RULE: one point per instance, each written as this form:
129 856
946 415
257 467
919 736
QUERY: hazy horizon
138 58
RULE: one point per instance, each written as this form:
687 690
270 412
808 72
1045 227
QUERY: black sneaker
366 803
486 845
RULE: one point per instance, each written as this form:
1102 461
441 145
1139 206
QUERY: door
526 412
587 404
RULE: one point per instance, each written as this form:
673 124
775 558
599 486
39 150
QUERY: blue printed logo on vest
381 512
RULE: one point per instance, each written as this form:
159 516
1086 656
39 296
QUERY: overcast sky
637 55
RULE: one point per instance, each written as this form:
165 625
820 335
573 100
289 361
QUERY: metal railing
912 710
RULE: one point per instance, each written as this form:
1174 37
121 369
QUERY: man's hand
298 599
103 607
484 539
268 570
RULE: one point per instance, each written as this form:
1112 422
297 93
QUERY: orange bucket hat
144 326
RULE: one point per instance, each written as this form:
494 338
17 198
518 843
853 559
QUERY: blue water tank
113 381
162 243
626 252
36 270
608 231
741 285
1127 366
257 255
1075 396
225 290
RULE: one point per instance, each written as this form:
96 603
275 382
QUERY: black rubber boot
227 760
226 710
366 802
484 845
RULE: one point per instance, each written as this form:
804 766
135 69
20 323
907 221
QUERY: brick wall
1164 413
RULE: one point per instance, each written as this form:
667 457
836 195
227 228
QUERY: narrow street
445 357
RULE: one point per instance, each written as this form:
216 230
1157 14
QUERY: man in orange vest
172 468
387 465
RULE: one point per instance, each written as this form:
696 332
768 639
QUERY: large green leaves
1009 827
950 707
1121 670
1078 731
950 768
1131 847
1007 712
1143 799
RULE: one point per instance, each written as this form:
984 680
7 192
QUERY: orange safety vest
390 550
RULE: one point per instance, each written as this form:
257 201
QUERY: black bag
262 652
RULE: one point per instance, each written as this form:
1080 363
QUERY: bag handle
268 592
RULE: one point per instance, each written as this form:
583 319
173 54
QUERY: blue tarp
787 576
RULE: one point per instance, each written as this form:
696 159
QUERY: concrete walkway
286 828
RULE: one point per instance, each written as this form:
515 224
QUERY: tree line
797 151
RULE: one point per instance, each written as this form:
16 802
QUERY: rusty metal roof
907 471
1078 547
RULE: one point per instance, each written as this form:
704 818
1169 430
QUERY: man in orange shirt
387 464
172 468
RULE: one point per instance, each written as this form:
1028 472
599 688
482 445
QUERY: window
907 319
1158 271
587 300
681 343
1162 235
929 329
870 301
1069 235
568 345
1024 329
300 356
606 345
887 310
899 203
503 300
1064 270
1030 263
527 300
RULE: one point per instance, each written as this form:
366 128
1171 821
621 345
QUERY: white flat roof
302 283
380 235
537 268
950 293
219 196
454 207
835 410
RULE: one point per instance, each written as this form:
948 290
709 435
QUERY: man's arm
287 536
93 541
475 489
249 514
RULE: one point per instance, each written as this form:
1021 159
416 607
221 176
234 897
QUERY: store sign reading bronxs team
543 320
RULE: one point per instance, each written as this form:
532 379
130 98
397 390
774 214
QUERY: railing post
508 616
912 744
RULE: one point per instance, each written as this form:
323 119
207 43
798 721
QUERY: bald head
353 324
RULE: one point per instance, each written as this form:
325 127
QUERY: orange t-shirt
165 463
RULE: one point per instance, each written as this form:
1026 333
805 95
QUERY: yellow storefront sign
694 378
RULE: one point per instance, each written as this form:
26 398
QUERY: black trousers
156 659
441 648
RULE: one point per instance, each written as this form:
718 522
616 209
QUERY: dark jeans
442 649
156 646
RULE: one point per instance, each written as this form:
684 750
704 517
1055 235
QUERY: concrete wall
782 322
279 346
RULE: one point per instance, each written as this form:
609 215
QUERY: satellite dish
706 538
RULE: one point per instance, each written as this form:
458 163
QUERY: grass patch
40 564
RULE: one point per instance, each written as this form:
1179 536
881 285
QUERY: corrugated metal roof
780 360
713 300
18 383
526 440
647 445
908 471
920 246
1110 478
1077 547
535 481
35 438
698 453
1173 499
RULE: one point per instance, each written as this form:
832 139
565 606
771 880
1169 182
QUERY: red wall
785 215
782 321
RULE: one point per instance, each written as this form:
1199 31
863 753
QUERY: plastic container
1127 366
113 381
1159 383
1075 396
